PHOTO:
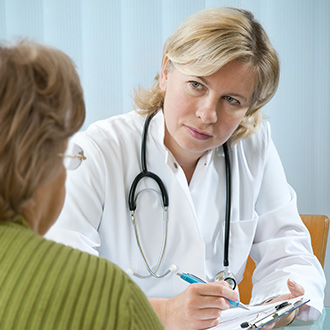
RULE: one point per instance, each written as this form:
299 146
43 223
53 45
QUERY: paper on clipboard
232 318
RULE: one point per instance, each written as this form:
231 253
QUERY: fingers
217 289
281 322
199 306
207 324
296 289
206 296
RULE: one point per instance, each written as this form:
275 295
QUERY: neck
185 158
187 162
189 172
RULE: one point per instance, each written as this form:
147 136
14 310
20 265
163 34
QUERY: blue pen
190 278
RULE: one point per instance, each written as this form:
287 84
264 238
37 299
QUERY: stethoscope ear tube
143 155
139 177
228 205
226 274
144 172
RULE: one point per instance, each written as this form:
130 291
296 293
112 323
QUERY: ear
164 74
29 205
30 212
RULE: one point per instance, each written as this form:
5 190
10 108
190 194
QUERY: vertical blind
117 46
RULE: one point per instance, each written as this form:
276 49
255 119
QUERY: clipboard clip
278 311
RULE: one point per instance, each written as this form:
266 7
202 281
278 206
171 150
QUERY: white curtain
117 45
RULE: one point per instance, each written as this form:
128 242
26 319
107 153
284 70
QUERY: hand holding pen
190 278
199 306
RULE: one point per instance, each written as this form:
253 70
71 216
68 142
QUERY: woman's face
202 113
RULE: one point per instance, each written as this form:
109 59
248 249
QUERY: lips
197 134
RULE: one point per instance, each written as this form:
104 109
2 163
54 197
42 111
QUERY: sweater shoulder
63 287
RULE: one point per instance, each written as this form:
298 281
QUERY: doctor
218 70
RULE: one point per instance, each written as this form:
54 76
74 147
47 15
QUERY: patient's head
41 106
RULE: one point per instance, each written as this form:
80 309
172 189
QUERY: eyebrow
230 94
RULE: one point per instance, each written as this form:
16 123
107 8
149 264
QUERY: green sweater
45 285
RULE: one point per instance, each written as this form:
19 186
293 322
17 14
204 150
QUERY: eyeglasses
74 158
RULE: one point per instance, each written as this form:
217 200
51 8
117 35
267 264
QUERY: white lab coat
265 221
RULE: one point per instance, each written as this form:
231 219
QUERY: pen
190 278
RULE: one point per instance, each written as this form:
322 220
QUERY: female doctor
218 70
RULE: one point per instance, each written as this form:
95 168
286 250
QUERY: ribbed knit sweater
46 285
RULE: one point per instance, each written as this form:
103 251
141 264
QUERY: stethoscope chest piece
228 276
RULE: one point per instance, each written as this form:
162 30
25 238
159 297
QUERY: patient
45 285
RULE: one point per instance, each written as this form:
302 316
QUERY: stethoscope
225 274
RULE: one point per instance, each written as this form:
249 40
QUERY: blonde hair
41 106
205 42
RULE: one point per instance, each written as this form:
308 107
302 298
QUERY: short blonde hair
211 38
41 106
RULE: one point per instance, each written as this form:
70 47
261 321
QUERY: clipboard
280 310
258 316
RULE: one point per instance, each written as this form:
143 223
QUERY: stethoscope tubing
144 171
228 205
139 177
151 272
132 203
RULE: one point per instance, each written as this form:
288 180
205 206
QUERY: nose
207 111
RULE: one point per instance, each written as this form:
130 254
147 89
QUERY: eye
196 85
232 100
